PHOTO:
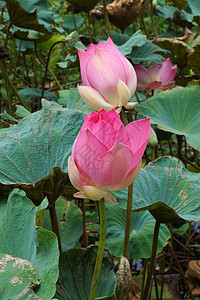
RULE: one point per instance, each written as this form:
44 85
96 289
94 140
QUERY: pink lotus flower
106 156
109 78
156 77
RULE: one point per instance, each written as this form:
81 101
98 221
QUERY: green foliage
148 54
20 238
16 277
170 192
141 235
32 14
76 269
35 145
72 100
68 23
172 111
70 223
42 143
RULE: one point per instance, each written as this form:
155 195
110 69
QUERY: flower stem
102 240
152 261
144 277
181 271
128 220
54 223
107 22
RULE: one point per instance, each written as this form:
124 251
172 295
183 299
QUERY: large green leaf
76 272
177 111
71 99
68 23
141 234
178 49
193 59
147 54
19 237
34 154
195 9
32 95
182 18
167 189
136 40
30 14
70 223
16 276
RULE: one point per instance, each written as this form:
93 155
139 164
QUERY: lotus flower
109 78
156 77
106 156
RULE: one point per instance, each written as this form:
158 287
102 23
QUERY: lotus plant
109 78
106 156
155 77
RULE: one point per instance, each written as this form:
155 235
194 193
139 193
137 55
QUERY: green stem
153 153
13 87
54 223
144 277
163 275
85 243
102 240
181 271
152 21
171 240
107 22
152 261
128 220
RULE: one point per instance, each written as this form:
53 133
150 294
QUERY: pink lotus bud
156 77
106 156
152 141
109 78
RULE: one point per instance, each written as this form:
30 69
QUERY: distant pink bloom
106 156
109 78
188 31
155 77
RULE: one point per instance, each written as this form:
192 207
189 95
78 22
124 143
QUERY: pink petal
128 180
93 98
167 86
86 150
122 136
75 176
83 58
117 123
86 123
153 86
138 132
142 74
113 167
100 45
168 76
131 80
91 48
104 69
109 45
112 116
105 132
154 72
164 67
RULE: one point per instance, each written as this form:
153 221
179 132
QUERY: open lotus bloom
156 77
106 156
109 78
